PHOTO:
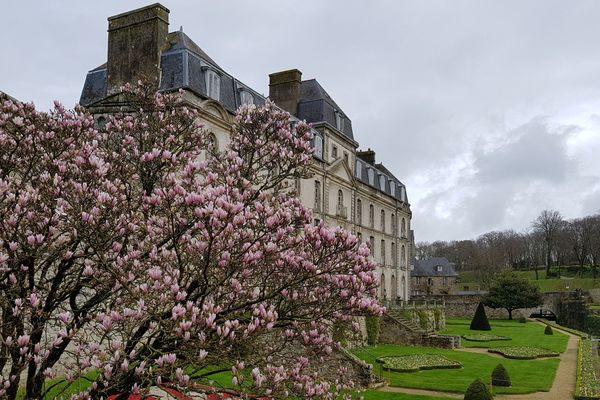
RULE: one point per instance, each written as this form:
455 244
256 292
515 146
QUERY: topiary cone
500 376
478 391
548 330
480 321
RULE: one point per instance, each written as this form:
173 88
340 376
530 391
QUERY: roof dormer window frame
339 121
318 145
212 80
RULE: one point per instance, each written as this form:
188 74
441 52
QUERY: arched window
382 286
394 255
403 228
403 288
382 252
371 215
246 97
340 198
317 196
394 288
371 175
383 220
318 140
394 229
382 182
359 211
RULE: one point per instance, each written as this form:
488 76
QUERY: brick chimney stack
135 42
367 156
284 89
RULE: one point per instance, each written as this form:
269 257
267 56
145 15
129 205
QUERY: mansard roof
429 267
391 185
316 105
184 66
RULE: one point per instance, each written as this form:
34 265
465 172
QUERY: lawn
378 395
528 334
527 376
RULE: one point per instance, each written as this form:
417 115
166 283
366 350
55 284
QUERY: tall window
403 255
394 228
394 255
340 201
371 216
382 252
334 151
317 195
211 143
383 220
359 211
393 188
403 228
359 236
318 140
358 169
382 182
372 245
213 85
382 286
394 288
371 175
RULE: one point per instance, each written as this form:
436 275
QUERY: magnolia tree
137 254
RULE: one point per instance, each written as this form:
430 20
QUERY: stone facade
434 276
347 187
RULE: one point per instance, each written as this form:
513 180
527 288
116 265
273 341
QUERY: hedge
592 324
373 328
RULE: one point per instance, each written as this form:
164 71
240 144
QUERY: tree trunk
537 278
509 313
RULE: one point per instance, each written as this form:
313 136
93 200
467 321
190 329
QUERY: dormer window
358 169
439 268
213 85
371 174
392 188
318 142
402 194
382 182
339 121
246 97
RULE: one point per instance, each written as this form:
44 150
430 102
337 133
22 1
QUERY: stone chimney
284 89
135 41
367 156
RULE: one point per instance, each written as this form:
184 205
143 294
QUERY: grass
523 352
553 284
417 362
527 376
378 395
529 334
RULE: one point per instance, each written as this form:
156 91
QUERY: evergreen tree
480 321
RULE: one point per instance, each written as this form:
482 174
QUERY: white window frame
213 85
246 97
318 143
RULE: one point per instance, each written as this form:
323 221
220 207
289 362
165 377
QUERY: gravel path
562 388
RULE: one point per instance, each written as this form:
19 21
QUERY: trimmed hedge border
444 363
523 352
588 384
484 337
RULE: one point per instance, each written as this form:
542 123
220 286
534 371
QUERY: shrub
522 320
548 330
482 337
523 352
480 321
478 391
500 376
416 362
373 327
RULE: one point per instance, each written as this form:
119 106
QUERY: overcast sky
488 111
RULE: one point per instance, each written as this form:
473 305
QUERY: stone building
348 188
434 276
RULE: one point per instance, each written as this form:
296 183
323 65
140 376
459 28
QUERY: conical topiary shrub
478 391
500 376
548 330
480 321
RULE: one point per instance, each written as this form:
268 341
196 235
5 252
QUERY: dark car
545 314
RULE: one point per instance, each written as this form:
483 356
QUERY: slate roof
184 65
429 267
391 185
316 105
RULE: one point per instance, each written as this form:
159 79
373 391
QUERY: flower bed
484 337
523 352
416 362
588 384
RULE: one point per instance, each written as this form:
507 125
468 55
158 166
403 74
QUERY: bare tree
548 223
579 237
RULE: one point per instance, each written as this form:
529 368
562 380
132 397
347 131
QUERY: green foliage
373 328
588 383
423 319
500 376
416 362
340 333
523 352
512 292
480 321
478 391
522 320
548 330
592 324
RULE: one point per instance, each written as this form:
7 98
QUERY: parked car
545 314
